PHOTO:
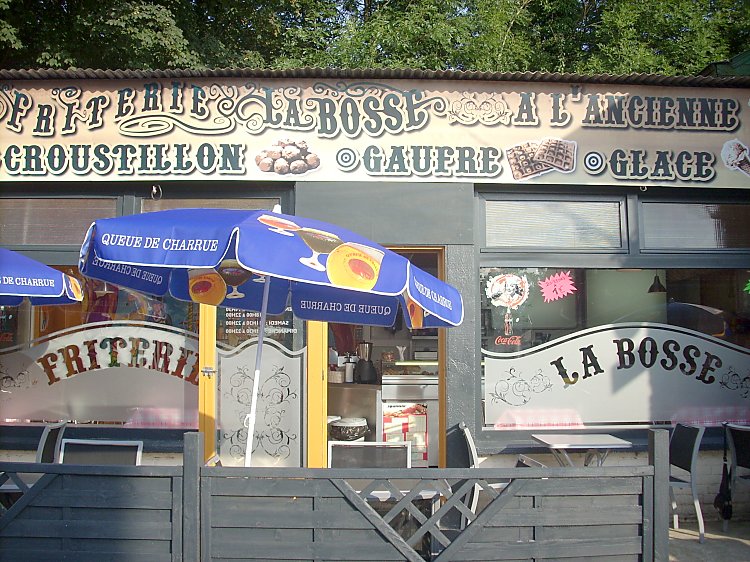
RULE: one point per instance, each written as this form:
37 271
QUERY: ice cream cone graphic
416 313
735 156
73 288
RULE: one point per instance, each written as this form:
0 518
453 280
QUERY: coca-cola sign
508 340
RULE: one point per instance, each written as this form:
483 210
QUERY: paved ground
733 546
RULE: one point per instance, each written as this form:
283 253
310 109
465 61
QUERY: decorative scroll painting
279 425
619 374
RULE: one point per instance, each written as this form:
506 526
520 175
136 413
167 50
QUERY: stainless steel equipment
365 371
417 389
358 401
364 350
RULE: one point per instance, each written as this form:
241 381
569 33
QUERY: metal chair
684 445
738 442
524 461
47 451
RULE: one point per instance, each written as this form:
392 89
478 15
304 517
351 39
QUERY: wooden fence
196 512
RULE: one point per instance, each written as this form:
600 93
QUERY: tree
601 36
97 34
498 39
403 34
668 36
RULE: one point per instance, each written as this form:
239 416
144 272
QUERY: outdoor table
596 445
398 489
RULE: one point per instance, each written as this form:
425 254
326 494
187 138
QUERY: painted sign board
639 373
389 130
407 421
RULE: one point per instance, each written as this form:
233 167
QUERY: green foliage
669 36
499 40
601 36
421 35
8 34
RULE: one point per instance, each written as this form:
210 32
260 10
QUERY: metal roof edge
378 73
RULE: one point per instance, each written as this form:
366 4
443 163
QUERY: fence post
658 457
191 466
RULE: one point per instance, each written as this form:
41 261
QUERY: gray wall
463 368
393 213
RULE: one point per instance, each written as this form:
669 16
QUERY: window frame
481 222
491 441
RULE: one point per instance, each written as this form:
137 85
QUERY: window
525 307
574 347
685 226
120 357
555 223
51 221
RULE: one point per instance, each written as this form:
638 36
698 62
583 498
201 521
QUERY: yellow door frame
317 380
207 379
317 394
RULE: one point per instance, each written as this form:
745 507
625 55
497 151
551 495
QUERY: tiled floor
734 546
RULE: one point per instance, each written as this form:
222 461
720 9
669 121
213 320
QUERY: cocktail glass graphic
320 242
279 225
234 275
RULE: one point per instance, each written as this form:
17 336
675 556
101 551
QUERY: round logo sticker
507 290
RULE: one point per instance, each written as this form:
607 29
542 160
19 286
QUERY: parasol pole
256 377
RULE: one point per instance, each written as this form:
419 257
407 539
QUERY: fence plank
658 457
557 549
192 531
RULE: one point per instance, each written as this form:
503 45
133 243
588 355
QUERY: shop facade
596 228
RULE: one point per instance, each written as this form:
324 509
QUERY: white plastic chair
369 454
528 462
472 502
100 451
48 449
684 445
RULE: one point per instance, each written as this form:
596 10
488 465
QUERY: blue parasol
263 261
24 278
